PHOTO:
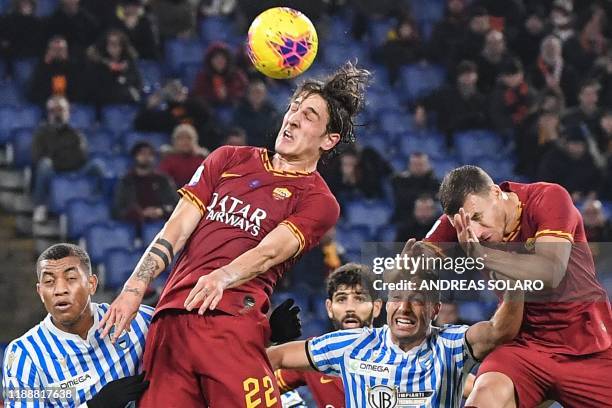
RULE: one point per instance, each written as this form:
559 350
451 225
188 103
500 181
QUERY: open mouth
63 306
351 322
405 322
287 135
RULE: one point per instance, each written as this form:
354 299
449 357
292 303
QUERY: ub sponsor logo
235 212
382 396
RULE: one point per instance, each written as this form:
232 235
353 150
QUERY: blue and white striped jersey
46 357
292 399
376 373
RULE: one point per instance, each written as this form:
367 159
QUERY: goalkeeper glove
116 394
285 322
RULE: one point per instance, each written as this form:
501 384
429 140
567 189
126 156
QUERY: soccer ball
282 43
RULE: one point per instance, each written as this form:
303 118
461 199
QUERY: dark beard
363 323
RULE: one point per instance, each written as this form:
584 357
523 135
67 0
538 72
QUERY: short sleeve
453 340
19 373
203 182
555 214
442 231
315 214
326 352
289 379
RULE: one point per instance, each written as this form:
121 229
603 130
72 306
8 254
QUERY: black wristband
162 255
166 245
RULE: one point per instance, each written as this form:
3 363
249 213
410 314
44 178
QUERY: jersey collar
416 351
267 164
48 324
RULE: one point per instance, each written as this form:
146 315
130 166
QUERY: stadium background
551 125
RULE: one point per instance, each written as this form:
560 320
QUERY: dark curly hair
344 92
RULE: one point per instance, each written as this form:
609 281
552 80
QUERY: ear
39 293
92 281
436 311
496 191
330 140
328 307
377 306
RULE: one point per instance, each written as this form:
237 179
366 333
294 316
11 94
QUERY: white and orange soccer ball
282 43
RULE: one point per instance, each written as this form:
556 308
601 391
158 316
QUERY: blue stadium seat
472 311
351 237
386 233
336 54
3 70
353 256
371 213
379 142
118 118
427 10
45 8
119 263
378 101
10 93
21 141
399 162
4 6
100 141
443 165
224 114
378 29
22 70
152 74
188 73
82 116
419 80
395 121
433 144
339 30
150 230
498 169
217 28
113 166
474 144
314 327
279 96
82 213
156 139
179 51
12 118
101 237
67 187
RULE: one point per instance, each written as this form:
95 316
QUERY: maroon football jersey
572 326
326 390
242 198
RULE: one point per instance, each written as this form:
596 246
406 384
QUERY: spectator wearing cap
257 114
130 17
587 113
144 194
447 35
114 76
21 31
75 24
186 156
571 164
57 148
56 74
171 106
219 82
460 106
403 46
511 100
551 71
492 58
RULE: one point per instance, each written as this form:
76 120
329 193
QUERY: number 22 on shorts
251 388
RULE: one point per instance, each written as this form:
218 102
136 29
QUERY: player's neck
80 327
284 163
512 206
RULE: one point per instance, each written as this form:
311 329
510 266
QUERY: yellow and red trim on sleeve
555 233
281 381
297 233
189 196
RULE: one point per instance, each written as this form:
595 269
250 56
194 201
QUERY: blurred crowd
536 72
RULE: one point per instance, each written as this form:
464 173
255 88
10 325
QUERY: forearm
247 266
524 266
506 322
289 355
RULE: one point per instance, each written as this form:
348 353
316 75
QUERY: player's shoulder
341 336
449 332
535 192
18 345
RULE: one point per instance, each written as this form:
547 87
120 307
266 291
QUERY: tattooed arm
155 260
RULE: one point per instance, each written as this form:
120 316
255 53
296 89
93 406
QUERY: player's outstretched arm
279 245
483 337
156 258
291 355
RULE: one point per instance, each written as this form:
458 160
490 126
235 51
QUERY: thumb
295 310
286 305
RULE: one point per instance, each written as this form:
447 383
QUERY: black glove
285 322
116 394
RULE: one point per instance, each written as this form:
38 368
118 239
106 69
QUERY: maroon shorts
573 381
216 360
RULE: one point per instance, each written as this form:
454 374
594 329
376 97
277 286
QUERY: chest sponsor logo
370 369
232 211
280 193
80 381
